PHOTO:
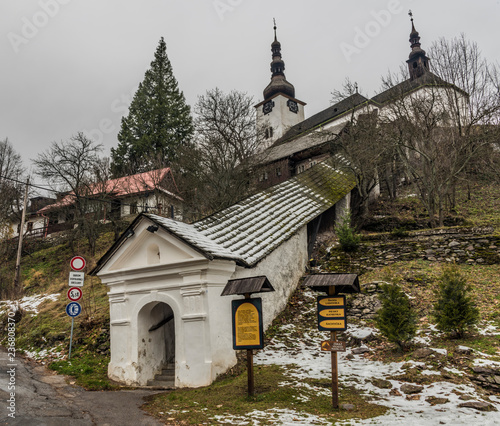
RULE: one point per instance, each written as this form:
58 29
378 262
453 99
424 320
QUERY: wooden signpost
332 315
248 331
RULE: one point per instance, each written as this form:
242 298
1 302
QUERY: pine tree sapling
454 309
396 319
348 239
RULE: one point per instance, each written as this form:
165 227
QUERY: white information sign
76 279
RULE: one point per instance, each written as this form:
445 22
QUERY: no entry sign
74 294
77 263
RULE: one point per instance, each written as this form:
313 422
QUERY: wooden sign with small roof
248 331
332 314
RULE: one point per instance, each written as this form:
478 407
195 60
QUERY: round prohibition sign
77 263
74 294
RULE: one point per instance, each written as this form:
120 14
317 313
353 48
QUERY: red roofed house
154 192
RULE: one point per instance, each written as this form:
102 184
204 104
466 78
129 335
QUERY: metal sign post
73 309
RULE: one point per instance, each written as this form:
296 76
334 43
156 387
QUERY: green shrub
399 232
396 319
348 239
454 309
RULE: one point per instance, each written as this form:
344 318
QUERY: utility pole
17 287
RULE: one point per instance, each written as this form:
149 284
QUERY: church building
294 143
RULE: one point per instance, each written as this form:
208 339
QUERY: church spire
418 62
278 84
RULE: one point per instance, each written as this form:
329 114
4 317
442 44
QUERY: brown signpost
248 332
332 315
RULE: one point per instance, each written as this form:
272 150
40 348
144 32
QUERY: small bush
396 320
399 232
454 309
348 239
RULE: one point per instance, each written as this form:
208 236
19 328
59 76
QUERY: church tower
418 62
280 109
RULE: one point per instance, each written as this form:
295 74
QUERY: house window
133 207
278 171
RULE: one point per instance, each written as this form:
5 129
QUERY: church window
269 133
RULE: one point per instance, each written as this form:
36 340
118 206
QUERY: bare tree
71 166
360 149
11 186
213 171
442 128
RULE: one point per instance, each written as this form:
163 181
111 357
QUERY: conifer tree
158 122
454 309
396 320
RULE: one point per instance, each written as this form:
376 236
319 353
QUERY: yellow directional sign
337 324
332 301
333 313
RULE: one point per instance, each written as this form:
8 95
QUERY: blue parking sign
73 309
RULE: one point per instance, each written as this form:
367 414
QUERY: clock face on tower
292 106
267 107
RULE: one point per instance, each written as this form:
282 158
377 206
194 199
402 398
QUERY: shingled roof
323 117
428 79
301 143
248 231
133 185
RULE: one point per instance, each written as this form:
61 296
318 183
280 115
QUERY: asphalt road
34 396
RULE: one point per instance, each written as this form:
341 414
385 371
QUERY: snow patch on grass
27 303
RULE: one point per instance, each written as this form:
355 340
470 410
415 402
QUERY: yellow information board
247 324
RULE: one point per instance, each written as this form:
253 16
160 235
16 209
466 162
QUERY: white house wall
283 268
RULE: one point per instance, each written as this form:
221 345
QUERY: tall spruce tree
158 123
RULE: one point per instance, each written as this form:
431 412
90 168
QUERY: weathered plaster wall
283 267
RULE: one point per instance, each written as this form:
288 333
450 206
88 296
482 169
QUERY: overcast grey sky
73 65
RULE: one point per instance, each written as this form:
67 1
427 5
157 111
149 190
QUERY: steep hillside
399 251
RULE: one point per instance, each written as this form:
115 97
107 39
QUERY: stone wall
474 246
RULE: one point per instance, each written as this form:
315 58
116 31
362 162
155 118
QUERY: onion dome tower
280 109
418 62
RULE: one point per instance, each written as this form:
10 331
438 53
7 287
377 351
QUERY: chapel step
165 379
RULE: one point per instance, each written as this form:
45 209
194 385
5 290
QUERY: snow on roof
251 229
120 187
